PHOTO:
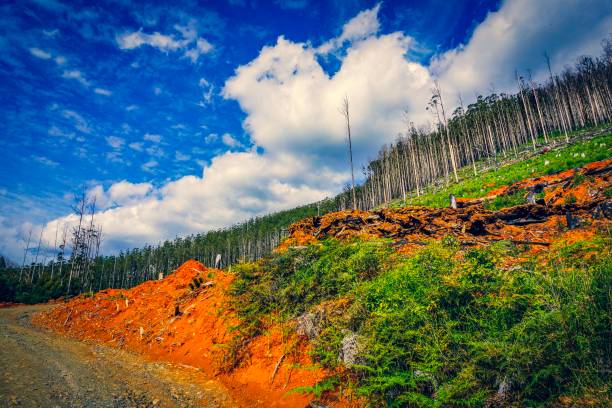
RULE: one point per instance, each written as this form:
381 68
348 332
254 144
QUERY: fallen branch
67 317
278 363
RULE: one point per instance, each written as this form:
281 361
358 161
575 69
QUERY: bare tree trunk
25 253
344 110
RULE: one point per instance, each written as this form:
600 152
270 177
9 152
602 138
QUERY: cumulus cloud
517 36
235 185
291 106
292 103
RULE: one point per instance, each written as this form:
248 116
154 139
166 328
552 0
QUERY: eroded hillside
502 301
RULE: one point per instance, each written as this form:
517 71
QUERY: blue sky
182 117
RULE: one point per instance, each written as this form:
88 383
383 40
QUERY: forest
423 160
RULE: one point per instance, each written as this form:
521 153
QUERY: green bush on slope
449 326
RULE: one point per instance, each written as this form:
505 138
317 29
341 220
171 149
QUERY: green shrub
505 201
445 326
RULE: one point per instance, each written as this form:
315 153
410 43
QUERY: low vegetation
446 326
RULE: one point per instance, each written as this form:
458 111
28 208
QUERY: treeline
492 126
82 270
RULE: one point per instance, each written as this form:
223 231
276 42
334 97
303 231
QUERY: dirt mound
189 325
571 199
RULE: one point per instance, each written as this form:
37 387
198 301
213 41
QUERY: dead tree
25 253
344 110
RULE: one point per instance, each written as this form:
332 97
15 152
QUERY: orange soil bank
142 319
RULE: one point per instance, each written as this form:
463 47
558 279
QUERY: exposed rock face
351 352
307 325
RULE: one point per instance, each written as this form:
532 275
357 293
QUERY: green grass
505 201
470 186
446 326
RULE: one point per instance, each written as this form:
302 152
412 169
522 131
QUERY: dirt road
42 369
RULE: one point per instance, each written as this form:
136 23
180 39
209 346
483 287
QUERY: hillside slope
169 320
488 304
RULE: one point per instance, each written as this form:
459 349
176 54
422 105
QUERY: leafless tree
344 110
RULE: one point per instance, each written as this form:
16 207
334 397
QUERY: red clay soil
142 319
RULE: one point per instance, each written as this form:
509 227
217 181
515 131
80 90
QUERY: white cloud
118 194
211 138
202 47
115 157
78 121
76 75
44 160
152 138
51 33
155 151
292 103
102 91
38 53
193 46
516 37
115 142
362 26
181 156
125 192
150 165
136 39
56 131
138 146
230 141
131 108
235 185
208 92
